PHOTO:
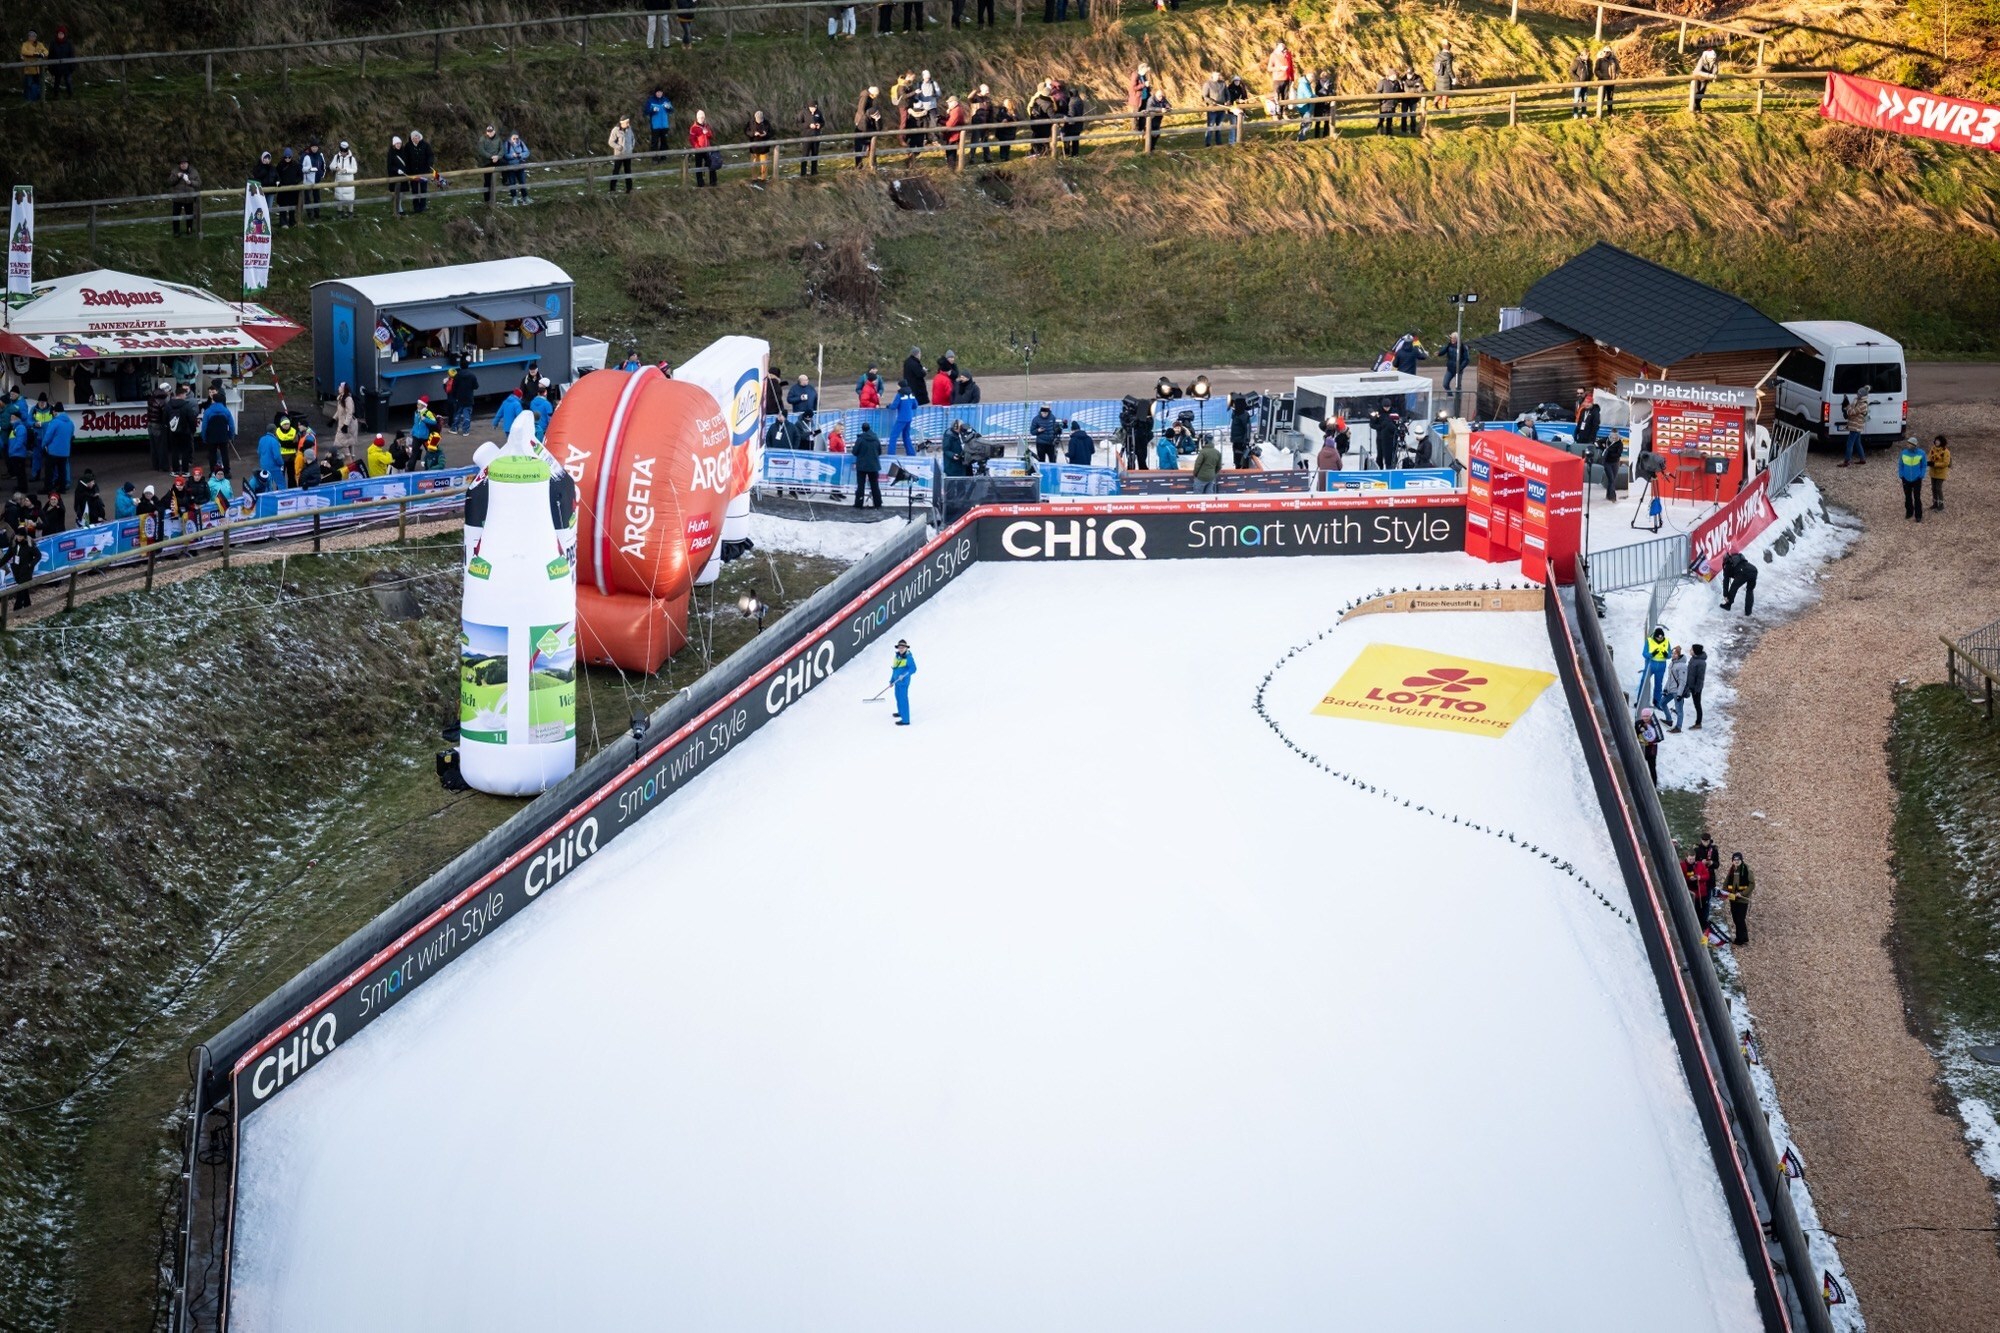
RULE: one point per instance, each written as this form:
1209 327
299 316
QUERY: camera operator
1135 423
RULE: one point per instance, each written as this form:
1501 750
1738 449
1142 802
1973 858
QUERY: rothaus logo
1442 688
123 300
1073 539
550 864
293 1056
807 670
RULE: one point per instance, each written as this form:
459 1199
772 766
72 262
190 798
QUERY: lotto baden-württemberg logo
1412 687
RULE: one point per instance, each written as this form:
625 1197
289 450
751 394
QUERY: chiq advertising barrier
1244 529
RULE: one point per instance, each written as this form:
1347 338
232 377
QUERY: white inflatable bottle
517 631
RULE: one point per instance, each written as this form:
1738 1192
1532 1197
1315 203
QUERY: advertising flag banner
256 239
21 247
1900 110
1414 687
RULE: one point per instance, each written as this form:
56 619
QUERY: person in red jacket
941 385
702 139
1700 878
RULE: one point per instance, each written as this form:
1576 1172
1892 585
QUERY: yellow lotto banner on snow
1414 687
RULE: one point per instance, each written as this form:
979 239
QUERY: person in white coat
345 167
622 141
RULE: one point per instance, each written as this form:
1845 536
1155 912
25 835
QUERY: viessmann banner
547 856
1194 531
1889 106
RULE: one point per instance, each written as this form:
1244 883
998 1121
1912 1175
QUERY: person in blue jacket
125 503
218 432
1911 468
510 407
57 436
17 450
270 458
1081 447
906 412
900 671
659 119
543 410
1169 457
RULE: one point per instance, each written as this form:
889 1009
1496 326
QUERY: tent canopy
106 314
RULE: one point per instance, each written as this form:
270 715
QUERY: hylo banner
21 246
256 239
1414 687
1888 106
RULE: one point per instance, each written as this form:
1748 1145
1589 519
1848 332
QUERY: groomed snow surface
1083 1003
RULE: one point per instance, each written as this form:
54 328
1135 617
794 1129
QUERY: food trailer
99 341
393 336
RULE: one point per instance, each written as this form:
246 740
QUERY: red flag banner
1887 106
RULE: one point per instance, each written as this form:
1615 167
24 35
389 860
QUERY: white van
1840 359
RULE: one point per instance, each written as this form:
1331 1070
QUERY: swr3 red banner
1888 106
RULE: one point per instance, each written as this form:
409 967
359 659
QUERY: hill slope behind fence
578 33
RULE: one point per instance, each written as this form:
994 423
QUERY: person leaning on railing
514 157
706 157
1606 70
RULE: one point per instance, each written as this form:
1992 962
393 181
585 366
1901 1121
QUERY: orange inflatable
651 460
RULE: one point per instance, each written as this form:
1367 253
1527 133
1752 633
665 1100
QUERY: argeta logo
1073 539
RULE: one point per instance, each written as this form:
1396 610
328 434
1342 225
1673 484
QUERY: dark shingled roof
1653 312
1537 335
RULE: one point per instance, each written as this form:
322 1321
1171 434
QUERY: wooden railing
314 525
1729 93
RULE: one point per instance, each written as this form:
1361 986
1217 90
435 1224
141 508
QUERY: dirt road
1889 1168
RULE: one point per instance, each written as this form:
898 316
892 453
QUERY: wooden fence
1180 127
1972 664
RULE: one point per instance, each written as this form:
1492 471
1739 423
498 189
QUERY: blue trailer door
343 344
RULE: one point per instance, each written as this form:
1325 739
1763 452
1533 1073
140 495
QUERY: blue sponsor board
1069 479
1436 479
806 469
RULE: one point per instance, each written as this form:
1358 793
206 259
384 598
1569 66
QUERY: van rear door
1879 371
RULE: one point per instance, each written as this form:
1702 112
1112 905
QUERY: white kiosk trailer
100 341
1319 399
392 336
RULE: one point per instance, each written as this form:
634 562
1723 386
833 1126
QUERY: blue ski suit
900 671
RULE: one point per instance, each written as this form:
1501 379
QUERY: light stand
749 605
1460 300
1023 345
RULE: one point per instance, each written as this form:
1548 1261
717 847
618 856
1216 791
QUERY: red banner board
1888 106
1736 524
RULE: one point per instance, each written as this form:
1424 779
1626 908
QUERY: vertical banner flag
1888 106
21 247
256 239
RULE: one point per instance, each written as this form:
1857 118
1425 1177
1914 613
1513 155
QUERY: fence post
778 161
93 229
584 24
1693 84
315 532
1017 13
437 52
285 69
152 559
69 604
402 518
208 72
364 59
225 543
1511 97
728 26
1513 11
1602 93
1684 36
1600 25
1758 109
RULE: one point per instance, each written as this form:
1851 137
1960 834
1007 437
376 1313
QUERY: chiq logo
1440 688
1051 539
806 671
126 300
292 1057
561 856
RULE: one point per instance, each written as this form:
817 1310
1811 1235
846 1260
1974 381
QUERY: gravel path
1889 1169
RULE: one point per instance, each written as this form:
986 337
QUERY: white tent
110 315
